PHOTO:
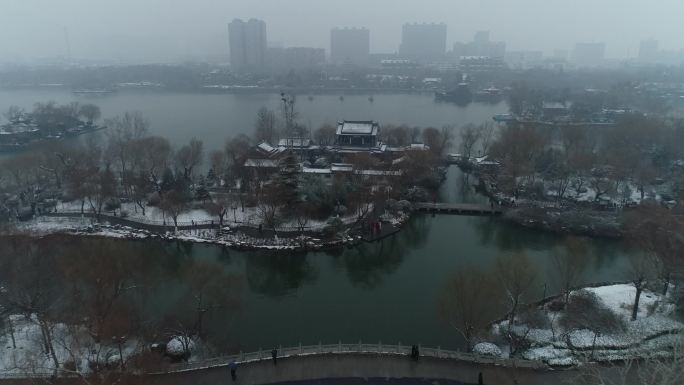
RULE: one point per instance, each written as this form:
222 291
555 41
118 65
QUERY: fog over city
174 30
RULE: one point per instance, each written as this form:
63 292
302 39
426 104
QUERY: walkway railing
359 348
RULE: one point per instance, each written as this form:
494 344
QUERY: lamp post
120 340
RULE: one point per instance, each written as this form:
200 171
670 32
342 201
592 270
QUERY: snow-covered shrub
556 305
391 204
417 194
321 162
180 347
534 318
335 225
112 204
487 349
586 311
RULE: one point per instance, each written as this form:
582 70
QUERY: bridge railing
357 348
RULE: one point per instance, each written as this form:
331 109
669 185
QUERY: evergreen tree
287 180
201 193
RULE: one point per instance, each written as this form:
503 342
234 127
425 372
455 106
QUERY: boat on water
93 91
504 118
460 95
489 94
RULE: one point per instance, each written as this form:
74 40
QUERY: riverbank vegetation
88 312
578 179
47 121
266 183
643 316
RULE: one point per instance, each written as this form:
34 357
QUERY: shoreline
210 234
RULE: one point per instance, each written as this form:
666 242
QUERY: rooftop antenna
67 44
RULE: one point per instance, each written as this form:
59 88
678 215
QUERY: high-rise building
481 37
523 59
589 54
648 51
349 46
423 40
480 46
247 44
295 58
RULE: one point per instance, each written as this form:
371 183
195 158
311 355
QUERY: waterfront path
364 366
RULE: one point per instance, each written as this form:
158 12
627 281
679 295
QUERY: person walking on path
480 381
233 370
274 356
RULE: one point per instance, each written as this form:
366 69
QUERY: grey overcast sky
170 30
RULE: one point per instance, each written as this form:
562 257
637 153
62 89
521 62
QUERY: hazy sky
168 30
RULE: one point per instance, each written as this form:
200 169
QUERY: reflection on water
369 263
384 291
279 274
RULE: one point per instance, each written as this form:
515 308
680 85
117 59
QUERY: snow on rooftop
356 128
264 146
308 170
294 142
266 163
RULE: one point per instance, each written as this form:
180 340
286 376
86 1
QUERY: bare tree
486 135
174 203
220 205
142 186
265 126
123 132
100 187
438 140
190 156
517 276
100 276
658 233
648 369
470 135
642 267
569 264
211 288
15 114
469 302
290 115
90 112
31 283
268 209
325 135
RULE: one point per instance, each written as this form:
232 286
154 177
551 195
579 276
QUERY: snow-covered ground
249 216
73 347
653 333
86 227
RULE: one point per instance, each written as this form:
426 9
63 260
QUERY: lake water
216 117
386 291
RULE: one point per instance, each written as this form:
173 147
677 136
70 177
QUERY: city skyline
181 31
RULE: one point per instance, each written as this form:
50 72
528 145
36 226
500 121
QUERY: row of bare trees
634 152
68 286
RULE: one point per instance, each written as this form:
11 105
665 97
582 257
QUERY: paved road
349 368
